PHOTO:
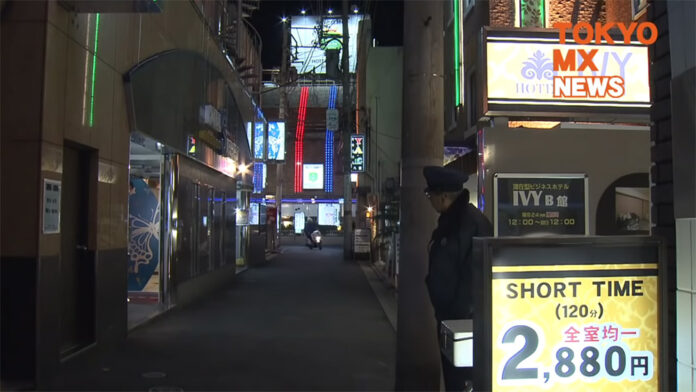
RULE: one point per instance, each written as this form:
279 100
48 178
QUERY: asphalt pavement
308 320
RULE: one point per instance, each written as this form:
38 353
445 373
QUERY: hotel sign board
537 204
532 74
579 314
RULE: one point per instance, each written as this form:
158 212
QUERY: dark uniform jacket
451 270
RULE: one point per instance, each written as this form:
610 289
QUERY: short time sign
582 314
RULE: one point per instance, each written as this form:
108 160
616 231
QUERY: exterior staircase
242 42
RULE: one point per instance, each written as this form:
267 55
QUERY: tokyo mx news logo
581 60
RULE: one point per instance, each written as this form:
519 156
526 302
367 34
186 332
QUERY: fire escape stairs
231 36
249 6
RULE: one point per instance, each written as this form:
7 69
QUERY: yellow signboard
575 327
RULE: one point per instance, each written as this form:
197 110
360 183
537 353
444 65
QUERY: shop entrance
145 266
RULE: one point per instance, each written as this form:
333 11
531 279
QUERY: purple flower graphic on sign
538 66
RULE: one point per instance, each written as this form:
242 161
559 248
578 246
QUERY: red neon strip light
299 138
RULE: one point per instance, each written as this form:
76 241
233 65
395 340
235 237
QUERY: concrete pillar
282 115
417 361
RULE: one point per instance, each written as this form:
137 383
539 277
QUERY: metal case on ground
457 341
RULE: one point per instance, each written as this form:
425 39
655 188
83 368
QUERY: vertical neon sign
299 138
258 177
329 147
94 71
457 91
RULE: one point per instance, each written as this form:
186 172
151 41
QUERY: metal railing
238 39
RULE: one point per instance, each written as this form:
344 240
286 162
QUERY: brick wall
502 13
662 198
562 10
619 11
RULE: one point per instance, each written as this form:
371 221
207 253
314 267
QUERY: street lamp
244 169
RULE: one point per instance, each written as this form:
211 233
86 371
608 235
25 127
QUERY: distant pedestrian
451 270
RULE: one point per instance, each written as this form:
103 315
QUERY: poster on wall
276 141
51 207
313 176
329 214
299 222
259 141
254 213
562 321
144 235
537 204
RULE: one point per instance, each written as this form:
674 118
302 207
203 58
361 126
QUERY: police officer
451 269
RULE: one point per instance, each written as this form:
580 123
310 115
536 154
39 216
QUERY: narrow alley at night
348 195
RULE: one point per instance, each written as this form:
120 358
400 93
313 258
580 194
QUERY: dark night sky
387 21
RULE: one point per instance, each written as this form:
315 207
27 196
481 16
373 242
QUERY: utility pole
417 351
346 131
282 116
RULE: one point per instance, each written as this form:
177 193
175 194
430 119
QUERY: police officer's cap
444 179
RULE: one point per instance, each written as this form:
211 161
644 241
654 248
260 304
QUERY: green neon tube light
457 93
542 18
94 73
521 13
